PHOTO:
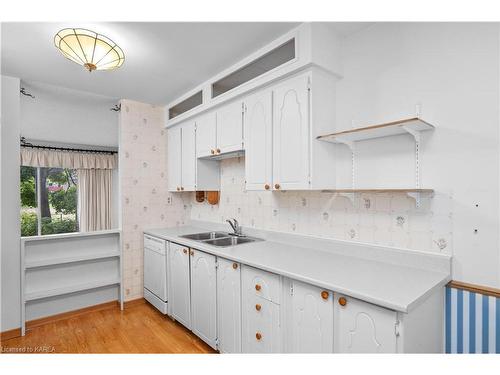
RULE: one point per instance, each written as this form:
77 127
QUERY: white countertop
398 287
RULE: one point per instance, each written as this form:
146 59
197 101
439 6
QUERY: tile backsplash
145 200
381 218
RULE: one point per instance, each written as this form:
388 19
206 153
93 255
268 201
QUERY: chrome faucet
236 227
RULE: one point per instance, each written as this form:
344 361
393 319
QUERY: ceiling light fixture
90 49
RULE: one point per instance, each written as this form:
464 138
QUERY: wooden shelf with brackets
413 193
412 190
405 126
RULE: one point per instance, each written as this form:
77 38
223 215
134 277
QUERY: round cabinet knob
258 336
266 186
182 188
178 188
258 307
184 251
192 252
258 287
342 301
218 150
324 294
212 152
277 186
235 265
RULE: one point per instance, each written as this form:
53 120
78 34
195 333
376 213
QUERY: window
186 105
48 201
263 64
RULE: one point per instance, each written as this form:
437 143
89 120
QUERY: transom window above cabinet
263 64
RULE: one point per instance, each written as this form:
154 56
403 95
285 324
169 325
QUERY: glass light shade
89 49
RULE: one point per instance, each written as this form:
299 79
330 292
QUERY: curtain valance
33 157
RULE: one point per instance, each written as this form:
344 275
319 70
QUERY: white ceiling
162 60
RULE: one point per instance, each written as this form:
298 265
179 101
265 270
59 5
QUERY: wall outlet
169 200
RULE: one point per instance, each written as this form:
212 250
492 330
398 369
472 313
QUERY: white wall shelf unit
412 126
31 296
69 271
72 259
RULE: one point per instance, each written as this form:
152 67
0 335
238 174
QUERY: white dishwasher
155 272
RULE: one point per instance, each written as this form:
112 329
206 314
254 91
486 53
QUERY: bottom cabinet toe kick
237 308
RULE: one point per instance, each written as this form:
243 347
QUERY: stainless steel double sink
220 239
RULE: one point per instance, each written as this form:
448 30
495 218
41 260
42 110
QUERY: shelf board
31 296
378 131
423 191
73 259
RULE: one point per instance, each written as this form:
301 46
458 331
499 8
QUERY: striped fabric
472 322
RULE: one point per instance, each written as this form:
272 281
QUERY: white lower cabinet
361 327
180 291
241 309
261 326
229 306
261 323
203 296
309 317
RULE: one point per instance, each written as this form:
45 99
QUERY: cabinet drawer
155 244
261 283
261 326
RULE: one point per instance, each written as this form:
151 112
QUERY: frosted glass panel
263 64
184 106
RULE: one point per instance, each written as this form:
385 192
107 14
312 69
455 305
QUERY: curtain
32 157
94 181
94 199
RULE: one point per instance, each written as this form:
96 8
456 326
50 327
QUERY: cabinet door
361 327
206 135
230 127
203 296
188 159
259 141
291 136
261 325
229 306
310 319
180 298
174 158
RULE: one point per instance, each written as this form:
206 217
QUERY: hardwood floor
138 329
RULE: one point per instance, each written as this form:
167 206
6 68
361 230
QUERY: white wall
10 229
68 116
452 72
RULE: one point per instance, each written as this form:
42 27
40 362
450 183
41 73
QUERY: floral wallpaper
385 219
145 200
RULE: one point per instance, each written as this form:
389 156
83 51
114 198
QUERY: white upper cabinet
229 306
185 171
291 136
310 319
188 159
203 296
259 140
179 289
174 158
361 327
230 128
206 135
